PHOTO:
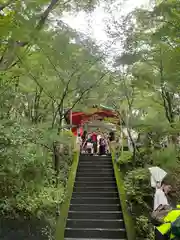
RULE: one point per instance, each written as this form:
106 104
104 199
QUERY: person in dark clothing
159 236
84 140
102 146
111 136
94 141
89 146
84 136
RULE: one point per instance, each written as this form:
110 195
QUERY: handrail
61 224
130 230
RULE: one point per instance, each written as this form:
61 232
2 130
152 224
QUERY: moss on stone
61 224
123 201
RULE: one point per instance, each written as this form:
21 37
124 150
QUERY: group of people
95 143
166 213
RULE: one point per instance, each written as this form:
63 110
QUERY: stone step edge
71 211
97 229
95 220
93 239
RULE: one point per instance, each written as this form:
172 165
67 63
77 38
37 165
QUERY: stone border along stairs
95 212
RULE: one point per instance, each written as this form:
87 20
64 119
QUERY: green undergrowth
135 178
139 194
28 187
123 201
61 224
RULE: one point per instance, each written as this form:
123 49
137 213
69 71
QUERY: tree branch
7 4
84 92
47 11
36 81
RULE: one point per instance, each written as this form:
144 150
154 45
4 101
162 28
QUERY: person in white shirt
160 197
98 138
79 141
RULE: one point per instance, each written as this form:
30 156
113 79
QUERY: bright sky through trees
94 24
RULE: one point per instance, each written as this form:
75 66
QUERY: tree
45 68
21 24
150 56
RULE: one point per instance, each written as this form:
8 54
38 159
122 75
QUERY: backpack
158 215
175 227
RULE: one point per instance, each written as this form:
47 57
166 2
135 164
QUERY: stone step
96 194
92 239
99 179
93 200
100 161
94 158
95 164
108 182
94 189
101 215
95 170
95 174
95 233
95 207
95 223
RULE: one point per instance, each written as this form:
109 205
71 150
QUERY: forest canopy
47 67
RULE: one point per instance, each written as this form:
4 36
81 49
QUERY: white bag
157 175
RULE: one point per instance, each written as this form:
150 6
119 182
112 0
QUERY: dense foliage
146 96
46 68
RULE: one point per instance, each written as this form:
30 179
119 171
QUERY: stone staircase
95 211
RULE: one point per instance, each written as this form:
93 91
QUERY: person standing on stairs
84 141
79 142
107 147
98 138
89 146
163 200
94 141
102 146
84 136
111 136
111 139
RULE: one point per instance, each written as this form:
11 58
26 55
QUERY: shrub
139 193
125 157
27 173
